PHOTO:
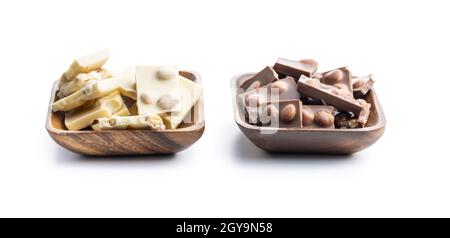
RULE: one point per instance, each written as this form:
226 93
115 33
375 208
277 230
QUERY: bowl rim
200 124
381 122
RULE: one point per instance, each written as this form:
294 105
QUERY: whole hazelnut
165 72
254 85
333 77
358 83
307 117
167 102
313 82
324 119
288 113
145 98
309 62
280 85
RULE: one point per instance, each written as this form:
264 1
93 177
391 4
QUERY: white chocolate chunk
149 121
86 64
157 89
123 82
190 93
123 111
81 80
102 107
127 83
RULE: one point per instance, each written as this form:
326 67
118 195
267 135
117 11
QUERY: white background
404 43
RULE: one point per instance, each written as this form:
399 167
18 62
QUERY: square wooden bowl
128 142
315 140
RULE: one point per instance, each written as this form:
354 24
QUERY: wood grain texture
311 140
128 142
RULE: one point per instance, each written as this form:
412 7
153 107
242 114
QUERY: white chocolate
190 93
102 107
152 83
86 64
123 111
123 82
149 121
81 80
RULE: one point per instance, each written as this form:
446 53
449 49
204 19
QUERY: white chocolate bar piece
68 87
102 107
190 93
86 64
157 89
123 111
123 82
149 121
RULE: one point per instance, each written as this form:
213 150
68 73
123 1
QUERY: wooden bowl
314 141
128 142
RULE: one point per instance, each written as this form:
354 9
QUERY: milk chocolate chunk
339 97
347 120
282 114
283 89
318 116
295 69
362 85
341 78
264 77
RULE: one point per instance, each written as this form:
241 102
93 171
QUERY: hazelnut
324 119
333 77
112 122
309 62
280 85
288 113
145 98
307 117
254 85
167 102
358 83
254 100
166 72
313 82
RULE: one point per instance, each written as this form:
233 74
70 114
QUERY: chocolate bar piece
347 120
295 69
318 116
284 89
341 98
340 78
281 114
362 85
264 77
